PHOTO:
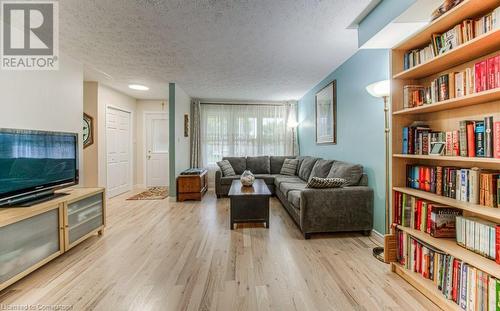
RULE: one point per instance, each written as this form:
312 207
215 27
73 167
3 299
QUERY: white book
496 18
459 84
474 185
492 295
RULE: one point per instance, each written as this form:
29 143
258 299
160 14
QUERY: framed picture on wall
326 114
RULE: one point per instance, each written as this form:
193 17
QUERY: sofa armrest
338 209
218 176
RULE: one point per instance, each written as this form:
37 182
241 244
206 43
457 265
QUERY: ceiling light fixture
138 87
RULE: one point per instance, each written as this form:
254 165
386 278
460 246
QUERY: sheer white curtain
243 130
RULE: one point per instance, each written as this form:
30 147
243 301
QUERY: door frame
131 145
145 141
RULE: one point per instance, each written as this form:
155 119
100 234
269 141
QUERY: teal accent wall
360 121
171 137
380 16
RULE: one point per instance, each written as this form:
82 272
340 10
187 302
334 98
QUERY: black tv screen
33 161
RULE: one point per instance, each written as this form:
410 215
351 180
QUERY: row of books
474 138
419 214
483 76
470 288
460 34
479 235
467 185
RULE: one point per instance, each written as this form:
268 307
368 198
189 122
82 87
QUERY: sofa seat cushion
228 180
259 165
306 168
239 164
286 187
285 178
350 172
321 169
276 163
268 179
293 198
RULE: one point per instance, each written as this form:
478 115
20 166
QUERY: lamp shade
379 89
292 124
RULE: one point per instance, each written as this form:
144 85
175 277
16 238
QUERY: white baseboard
172 199
378 237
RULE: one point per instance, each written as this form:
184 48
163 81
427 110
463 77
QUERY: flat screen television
33 164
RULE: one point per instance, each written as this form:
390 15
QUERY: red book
490 68
455 280
455 145
421 178
497 243
429 218
471 140
477 77
497 71
427 180
496 140
480 76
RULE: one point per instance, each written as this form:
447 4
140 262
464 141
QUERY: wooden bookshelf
443 116
449 158
451 247
465 101
426 287
490 213
480 46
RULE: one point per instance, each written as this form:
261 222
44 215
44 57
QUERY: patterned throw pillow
317 182
289 167
226 168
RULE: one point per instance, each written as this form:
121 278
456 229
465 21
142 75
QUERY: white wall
108 97
44 100
182 144
140 154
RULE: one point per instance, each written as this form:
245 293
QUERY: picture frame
186 125
326 114
88 130
437 148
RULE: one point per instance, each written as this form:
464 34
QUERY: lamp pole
381 89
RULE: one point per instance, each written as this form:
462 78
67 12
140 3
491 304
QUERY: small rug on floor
153 193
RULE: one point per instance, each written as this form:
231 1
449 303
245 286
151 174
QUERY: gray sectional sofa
314 210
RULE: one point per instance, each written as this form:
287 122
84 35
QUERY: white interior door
156 149
118 145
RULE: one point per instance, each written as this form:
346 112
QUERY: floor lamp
293 125
381 89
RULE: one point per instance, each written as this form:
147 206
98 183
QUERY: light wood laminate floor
160 255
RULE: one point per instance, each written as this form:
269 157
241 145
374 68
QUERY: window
242 130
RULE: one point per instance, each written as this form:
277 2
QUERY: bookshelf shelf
465 101
480 210
451 247
426 287
466 9
480 46
448 158
444 116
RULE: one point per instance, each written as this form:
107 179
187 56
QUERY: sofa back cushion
259 165
321 169
306 168
239 164
276 163
350 172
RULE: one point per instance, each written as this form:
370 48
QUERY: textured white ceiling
218 49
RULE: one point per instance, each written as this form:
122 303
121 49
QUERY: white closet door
118 149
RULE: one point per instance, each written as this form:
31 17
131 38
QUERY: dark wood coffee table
249 204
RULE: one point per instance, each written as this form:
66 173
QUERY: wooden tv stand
32 236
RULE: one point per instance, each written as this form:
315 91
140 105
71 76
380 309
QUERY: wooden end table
249 204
